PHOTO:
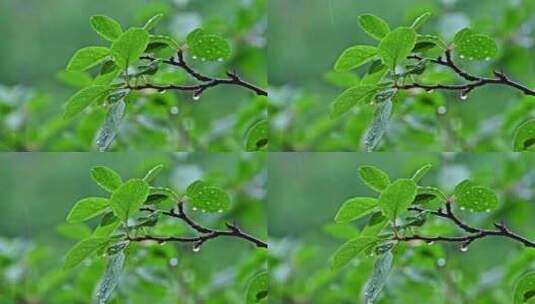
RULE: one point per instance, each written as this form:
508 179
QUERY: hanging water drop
163 92
194 57
196 97
173 262
462 56
194 208
430 91
441 110
464 96
174 110
441 262
430 243
462 208
196 248
162 243
464 248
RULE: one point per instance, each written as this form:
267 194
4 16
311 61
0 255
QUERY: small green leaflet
107 225
111 277
377 281
87 58
420 20
208 198
257 137
170 42
350 250
129 47
374 26
396 46
421 172
431 197
524 139
355 208
424 42
82 250
525 289
168 192
377 128
153 173
375 73
153 22
126 200
349 98
106 178
207 46
475 46
258 288
376 223
83 98
397 197
475 198
87 208
108 73
107 133
354 57
106 27
374 177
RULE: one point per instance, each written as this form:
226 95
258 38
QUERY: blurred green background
39 189
307 36
305 190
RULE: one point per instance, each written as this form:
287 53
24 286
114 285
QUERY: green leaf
129 47
374 177
208 46
396 46
126 200
83 98
258 288
349 98
111 277
397 197
208 198
424 42
418 22
106 27
87 58
78 231
419 174
375 225
108 73
82 250
377 281
106 178
427 195
168 192
355 208
152 22
170 42
87 208
524 139
107 133
475 46
257 136
76 79
525 289
153 173
375 73
107 226
350 250
354 57
476 198
378 126
374 26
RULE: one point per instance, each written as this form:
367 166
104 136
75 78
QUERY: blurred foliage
302 57
171 121
31 252
306 190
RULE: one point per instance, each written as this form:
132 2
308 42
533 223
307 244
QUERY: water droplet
464 248
220 211
441 110
162 243
441 262
464 96
174 110
196 97
163 92
488 210
194 208
430 242
194 57
196 248
462 56
430 91
462 208
173 262
220 59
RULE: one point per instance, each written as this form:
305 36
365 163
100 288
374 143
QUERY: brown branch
204 233
206 82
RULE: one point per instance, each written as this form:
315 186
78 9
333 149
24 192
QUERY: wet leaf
106 178
354 57
377 281
82 250
524 139
355 208
396 46
525 289
126 200
377 129
374 177
258 288
111 277
397 197
349 98
127 49
350 250
204 45
87 208
83 98
207 197
374 26
107 133
475 198
106 27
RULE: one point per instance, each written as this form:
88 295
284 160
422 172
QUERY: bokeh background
39 38
307 36
305 190
39 189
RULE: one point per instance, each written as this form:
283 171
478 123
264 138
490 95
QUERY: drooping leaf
397 197
354 57
126 200
475 46
87 208
524 139
350 250
374 26
87 58
349 98
377 281
207 197
419 174
153 173
206 46
127 49
355 208
82 250
153 22
257 136
374 177
108 131
396 46
420 20
258 288
106 178
377 128
476 198
525 289
106 27
83 98
111 277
